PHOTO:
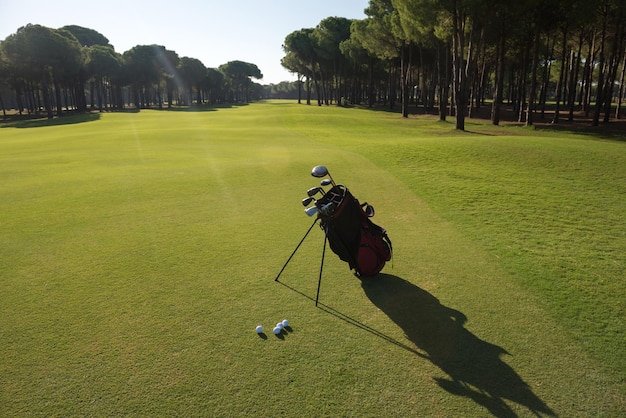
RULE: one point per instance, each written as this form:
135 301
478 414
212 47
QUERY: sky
213 31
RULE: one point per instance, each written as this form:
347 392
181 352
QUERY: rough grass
139 252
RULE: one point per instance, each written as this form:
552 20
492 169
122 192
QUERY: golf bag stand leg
297 247
319 281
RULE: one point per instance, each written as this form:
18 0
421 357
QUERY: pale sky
213 31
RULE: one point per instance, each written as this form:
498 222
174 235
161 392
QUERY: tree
461 12
611 50
87 37
147 66
301 57
4 77
103 66
328 36
214 85
291 62
501 17
452 21
375 34
542 16
44 58
361 63
193 74
238 74
418 22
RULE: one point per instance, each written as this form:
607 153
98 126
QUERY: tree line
45 70
456 56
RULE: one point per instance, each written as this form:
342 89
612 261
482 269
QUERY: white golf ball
279 325
277 330
259 329
285 323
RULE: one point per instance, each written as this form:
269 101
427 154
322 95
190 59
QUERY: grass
549 206
139 252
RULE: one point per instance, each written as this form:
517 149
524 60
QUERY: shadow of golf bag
351 234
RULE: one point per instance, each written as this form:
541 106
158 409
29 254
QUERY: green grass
138 252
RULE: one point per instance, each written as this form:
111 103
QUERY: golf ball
278 330
259 328
279 325
285 323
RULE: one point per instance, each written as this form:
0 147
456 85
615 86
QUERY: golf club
328 208
314 190
311 210
321 171
325 182
307 201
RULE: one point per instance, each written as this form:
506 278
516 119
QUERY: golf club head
307 201
319 171
313 190
311 210
369 211
328 208
326 182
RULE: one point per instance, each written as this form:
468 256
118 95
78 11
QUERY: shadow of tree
70 118
475 367
200 108
615 130
40 121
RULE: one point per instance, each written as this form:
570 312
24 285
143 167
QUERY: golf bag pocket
374 249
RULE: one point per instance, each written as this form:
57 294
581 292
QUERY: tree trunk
136 97
99 93
589 78
533 80
601 75
471 71
459 70
442 81
498 92
370 83
620 95
574 71
482 74
391 87
521 91
46 96
4 111
169 85
559 86
92 94
57 97
618 45
308 90
546 79
18 100
405 66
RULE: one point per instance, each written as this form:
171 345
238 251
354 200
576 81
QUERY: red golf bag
351 234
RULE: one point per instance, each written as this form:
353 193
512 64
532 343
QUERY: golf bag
347 227
351 234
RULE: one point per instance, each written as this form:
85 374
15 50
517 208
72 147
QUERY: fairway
138 252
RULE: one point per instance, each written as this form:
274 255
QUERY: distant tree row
455 54
75 68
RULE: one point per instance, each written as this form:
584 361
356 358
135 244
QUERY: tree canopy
536 59
460 54
75 68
